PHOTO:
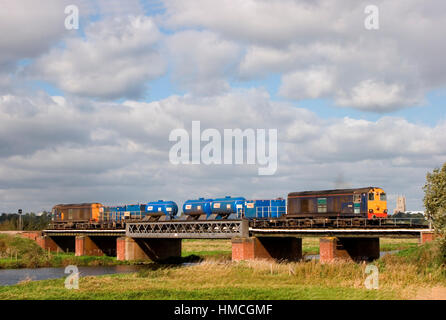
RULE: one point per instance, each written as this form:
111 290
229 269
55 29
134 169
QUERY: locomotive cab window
383 196
322 205
371 196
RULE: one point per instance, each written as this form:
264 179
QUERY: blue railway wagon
228 205
135 211
198 207
278 207
161 207
265 208
113 213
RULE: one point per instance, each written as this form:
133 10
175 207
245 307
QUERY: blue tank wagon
197 209
228 208
161 210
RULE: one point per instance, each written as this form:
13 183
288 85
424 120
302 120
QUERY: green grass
215 276
30 255
401 276
209 253
59 260
389 244
252 280
150 290
311 245
17 252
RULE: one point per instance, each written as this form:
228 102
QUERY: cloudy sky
85 114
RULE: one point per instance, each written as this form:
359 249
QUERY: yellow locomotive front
377 203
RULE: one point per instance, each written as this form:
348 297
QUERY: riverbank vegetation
310 246
435 202
18 252
401 276
214 276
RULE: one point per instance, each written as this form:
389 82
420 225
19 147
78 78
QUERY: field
411 273
310 246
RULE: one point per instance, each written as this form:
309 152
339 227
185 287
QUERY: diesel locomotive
368 203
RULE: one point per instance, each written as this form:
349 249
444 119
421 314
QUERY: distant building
400 204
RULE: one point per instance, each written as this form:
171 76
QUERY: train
312 207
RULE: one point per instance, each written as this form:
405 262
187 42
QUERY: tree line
435 202
30 221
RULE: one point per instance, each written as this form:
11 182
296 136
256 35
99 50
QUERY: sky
86 114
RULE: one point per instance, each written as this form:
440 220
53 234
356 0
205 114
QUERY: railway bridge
250 239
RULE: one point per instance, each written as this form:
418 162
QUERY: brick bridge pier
255 244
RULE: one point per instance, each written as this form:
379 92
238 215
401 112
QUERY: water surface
14 276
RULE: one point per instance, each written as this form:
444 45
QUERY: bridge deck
96 233
344 233
218 229
227 229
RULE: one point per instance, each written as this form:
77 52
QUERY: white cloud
369 94
202 62
399 63
313 83
116 59
55 151
29 28
264 22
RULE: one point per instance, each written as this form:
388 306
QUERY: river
14 276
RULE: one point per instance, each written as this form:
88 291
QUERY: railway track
287 223
340 223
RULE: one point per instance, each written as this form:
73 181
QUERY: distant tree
435 200
30 221
415 217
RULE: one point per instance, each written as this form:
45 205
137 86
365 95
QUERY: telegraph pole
20 219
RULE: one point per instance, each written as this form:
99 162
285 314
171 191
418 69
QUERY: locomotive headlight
370 210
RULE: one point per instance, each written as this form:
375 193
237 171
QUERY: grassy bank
195 282
401 276
311 245
18 252
207 248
